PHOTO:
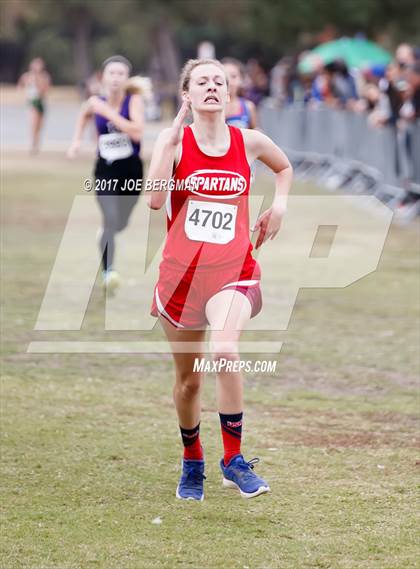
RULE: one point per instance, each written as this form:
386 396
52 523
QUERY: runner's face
234 77
208 89
115 76
36 65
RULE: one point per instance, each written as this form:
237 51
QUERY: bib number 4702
217 218
212 222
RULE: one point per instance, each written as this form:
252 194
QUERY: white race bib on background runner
115 146
212 222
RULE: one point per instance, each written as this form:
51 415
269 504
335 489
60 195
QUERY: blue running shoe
238 474
191 483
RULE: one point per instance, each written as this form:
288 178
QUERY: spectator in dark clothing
258 87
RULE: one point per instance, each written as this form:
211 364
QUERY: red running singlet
207 247
208 220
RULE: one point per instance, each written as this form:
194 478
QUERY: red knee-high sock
231 433
192 444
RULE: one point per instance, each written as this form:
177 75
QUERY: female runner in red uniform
208 275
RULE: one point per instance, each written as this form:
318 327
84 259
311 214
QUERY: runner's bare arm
46 83
164 157
133 126
22 80
261 147
82 120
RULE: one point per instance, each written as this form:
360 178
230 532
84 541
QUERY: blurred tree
81 23
11 40
74 36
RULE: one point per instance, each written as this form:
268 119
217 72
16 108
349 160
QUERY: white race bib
212 222
115 146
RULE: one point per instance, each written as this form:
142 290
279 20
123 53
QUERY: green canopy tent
357 53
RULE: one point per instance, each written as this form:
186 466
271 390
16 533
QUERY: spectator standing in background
405 123
413 77
323 88
258 87
344 85
279 81
404 55
286 85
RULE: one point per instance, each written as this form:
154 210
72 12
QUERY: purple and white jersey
112 143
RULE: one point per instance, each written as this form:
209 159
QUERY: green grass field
90 444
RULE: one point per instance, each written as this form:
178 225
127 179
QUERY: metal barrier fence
341 150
